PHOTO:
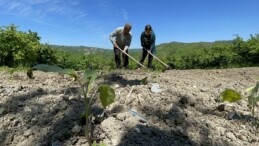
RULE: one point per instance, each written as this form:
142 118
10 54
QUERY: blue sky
89 22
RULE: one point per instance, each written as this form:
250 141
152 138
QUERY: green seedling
95 144
30 73
11 73
252 98
230 95
105 91
107 94
256 123
144 81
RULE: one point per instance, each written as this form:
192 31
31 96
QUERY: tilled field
177 107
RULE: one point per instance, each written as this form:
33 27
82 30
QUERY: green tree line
18 48
23 49
221 54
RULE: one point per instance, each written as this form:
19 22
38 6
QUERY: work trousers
125 58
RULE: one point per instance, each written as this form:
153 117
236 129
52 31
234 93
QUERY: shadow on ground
177 129
229 114
119 79
39 123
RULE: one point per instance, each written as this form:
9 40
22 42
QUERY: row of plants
24 49
225 54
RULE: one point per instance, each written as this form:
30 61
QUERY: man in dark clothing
147 40
121 38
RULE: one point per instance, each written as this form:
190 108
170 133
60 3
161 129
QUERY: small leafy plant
11 73
144 81
107 94
233 96
95 144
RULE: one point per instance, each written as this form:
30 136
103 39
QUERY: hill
179 47
81 49
161 47
165 48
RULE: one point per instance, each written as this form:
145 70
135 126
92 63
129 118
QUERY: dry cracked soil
174 108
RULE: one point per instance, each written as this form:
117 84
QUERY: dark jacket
148 42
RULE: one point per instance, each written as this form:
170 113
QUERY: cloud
104 4
80 15
76 14
55 9
14 5
41 8
125 14
33 2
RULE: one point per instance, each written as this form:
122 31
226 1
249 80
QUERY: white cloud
80 15
125 14
44 23
45 12
25 10
38 1
104 5
41 8
55 9
14 5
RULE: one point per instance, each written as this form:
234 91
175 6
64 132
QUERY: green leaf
107 95
250 89
94 143
30 73
251 104
102 144
49 68
230 95
253 89
251 101
144 81
52 68
71 73
90 75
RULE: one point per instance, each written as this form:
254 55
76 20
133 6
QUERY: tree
46 55
17 47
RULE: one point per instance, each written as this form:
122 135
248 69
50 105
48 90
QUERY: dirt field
177 107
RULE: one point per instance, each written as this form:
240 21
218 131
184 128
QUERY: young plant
253 98
95 144
144 81
233 96
11 73
107 94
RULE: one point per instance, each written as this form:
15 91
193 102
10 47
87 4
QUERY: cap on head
148 27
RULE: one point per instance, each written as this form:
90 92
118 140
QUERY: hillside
161 47
79 49
46 110
179 47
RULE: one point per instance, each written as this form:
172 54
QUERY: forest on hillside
23 49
